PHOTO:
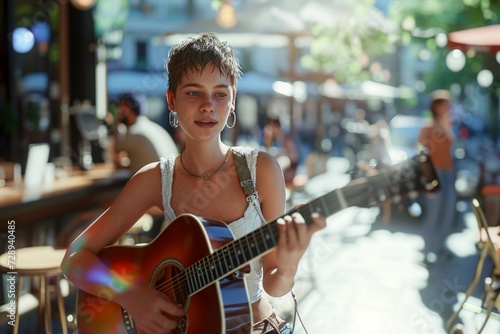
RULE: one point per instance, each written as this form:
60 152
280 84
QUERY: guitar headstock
405 179
410 177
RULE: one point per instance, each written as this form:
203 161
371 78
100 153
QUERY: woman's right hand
151 311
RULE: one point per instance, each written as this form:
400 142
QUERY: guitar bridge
128 322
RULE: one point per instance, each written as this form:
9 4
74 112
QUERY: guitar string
204 264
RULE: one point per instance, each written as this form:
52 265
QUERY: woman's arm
86 271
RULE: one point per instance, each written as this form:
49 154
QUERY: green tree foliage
347 46
425 20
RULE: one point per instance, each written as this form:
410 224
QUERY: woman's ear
233 102
170 100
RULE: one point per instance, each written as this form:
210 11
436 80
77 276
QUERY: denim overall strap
246 182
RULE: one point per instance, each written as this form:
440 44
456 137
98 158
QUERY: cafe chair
42 263
491 298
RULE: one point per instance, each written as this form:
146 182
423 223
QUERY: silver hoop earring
234 120
172 119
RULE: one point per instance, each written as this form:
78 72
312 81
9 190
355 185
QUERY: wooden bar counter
80 190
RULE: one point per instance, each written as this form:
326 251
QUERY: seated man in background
138 140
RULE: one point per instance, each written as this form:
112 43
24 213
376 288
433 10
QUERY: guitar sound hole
167 279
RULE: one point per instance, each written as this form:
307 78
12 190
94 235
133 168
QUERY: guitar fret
250 246
198 276
228 255
218 266
189 282
206 270
194 279
242 259
270 234
226 269
325 207
202 271
255 245
341 198
213 269
263 237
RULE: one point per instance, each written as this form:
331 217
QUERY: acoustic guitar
197 263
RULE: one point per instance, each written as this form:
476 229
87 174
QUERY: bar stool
40 262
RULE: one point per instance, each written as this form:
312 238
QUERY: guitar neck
412 175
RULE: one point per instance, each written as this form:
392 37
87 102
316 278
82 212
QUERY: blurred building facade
90 55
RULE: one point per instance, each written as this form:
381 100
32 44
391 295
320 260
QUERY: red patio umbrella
482 39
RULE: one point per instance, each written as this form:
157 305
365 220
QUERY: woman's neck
201 159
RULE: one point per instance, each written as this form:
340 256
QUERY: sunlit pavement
363 276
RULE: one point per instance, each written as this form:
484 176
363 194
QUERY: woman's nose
207 105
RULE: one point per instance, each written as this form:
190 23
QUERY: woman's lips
206 124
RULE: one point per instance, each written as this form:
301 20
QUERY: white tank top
240 227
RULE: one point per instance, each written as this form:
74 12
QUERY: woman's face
203 101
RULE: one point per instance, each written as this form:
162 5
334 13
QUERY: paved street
363 276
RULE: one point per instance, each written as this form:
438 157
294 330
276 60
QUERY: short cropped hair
196 53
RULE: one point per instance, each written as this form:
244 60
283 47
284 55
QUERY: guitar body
221 307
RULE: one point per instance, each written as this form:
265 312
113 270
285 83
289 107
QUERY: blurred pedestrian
282 146
440 208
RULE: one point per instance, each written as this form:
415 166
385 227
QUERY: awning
147 83
482 39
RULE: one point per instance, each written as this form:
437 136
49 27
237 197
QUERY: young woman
202 180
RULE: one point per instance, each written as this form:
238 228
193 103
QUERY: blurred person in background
440 208
282 146
138 140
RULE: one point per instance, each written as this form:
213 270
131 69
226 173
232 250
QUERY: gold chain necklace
206 176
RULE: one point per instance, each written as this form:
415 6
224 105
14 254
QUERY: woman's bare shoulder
267 162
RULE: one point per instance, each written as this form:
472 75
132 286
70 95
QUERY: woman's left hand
294 239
